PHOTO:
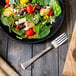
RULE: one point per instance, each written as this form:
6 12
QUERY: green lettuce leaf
21 37
17 2
12 1
18 32
42 31
34 1
36 28
46 2
41 2
45 30
56 7
31 19
5 20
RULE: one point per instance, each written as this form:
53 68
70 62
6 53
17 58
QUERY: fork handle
26 64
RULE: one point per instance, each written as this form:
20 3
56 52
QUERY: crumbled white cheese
12 9
26 24
48 7
24 13
18 14
33 18
26 28
15 10
50 16
52 20
43 23
16 22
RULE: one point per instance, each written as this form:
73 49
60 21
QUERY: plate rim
39 40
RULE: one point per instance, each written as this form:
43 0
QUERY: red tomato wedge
29 9
7 1
29 32
51 12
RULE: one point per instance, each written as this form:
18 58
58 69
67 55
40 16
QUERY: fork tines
59 40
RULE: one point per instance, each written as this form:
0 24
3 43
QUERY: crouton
44 11
7 13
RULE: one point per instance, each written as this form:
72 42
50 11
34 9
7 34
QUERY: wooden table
50 64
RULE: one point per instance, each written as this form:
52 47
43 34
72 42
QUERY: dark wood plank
18 53
48 64
72 0
73 13
66 1
51 61
3 44
63 49
38 69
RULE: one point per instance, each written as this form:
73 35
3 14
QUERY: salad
30 19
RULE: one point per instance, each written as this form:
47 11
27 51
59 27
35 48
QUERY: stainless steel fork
54 44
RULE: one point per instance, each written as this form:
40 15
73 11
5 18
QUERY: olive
38 7
20 26
21 11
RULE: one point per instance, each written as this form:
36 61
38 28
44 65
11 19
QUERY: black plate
54 29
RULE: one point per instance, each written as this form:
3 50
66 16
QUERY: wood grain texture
18 53
46 65
73 14
72 0
63 49
8 71
52 61
26 64
49 65
3 44
71 65
70 20
38 69
2 73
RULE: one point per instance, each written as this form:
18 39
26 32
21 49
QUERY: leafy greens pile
40 25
